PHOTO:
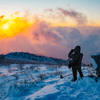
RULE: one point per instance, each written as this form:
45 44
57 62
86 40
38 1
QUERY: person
75 63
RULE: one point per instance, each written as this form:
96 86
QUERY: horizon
50 27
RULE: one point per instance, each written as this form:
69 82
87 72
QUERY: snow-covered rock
96 62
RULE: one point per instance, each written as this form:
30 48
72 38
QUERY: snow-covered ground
42 82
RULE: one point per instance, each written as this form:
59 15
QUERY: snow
94 63
50 89
96 54
42 82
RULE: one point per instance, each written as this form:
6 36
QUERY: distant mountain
24 57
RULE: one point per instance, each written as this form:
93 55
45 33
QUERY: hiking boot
73 80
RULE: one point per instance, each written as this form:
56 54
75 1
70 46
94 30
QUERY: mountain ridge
25 57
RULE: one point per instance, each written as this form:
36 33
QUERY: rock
96 63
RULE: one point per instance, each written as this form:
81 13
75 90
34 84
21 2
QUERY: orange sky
17 23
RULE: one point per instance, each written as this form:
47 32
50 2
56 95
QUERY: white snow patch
94 63
50 80
43 68
49 89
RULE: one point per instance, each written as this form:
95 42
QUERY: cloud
89 43
61 13
46 32
50 10
79 17
61 39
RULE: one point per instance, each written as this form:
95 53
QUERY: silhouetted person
76 60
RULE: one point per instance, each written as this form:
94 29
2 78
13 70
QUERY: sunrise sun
6 26
13 25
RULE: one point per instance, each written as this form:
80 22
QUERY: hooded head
77 49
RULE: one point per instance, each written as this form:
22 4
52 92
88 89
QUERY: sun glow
12 25
6 26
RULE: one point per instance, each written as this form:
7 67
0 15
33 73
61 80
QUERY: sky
88 7
50 27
